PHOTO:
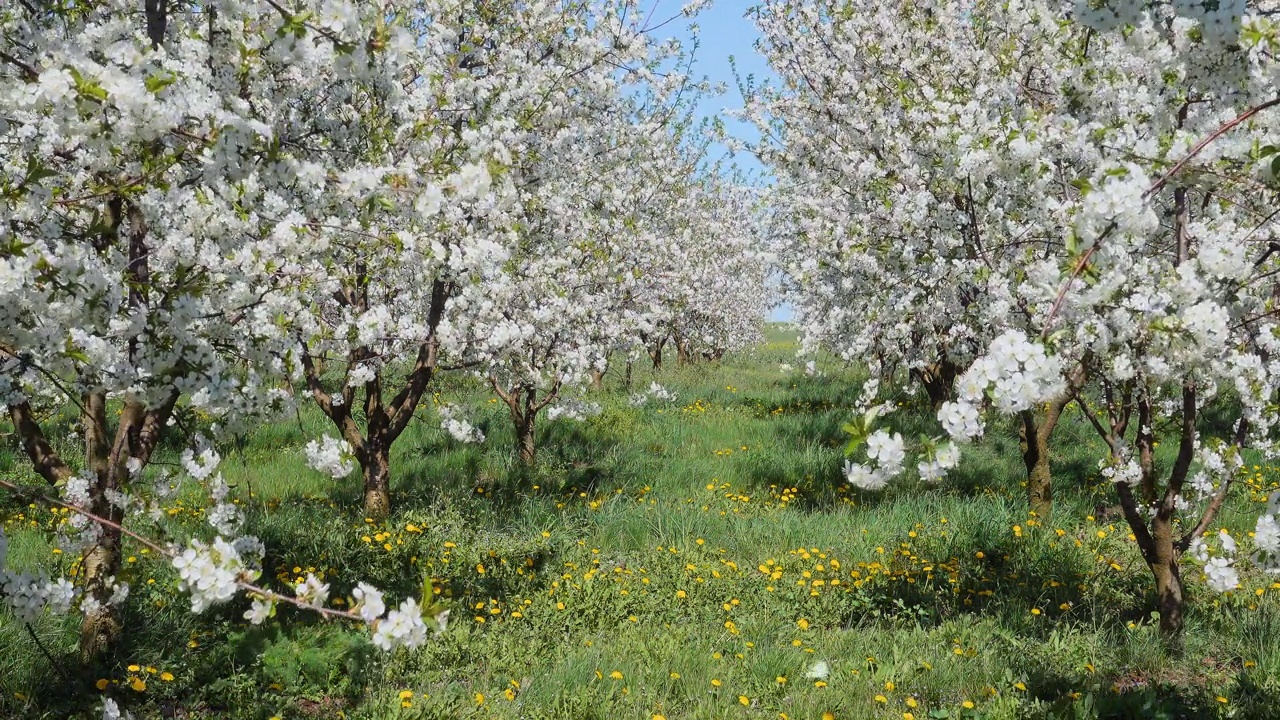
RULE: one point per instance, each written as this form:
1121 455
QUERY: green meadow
702 558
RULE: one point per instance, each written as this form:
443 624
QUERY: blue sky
725 33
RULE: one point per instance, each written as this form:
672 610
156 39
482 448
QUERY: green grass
675 538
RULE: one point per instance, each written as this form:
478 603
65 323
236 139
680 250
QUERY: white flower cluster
945 457
401 627
1219 571
1016 372
1266 536
1107 15
331 456
369 604
212 572
458 428
573 409
655 392
224 516
888 453
90 605
312 591
202 465
29 595
360 374
1122 468
960 420
1220 20
111 711
1116 197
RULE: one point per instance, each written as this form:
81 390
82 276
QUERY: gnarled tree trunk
938 380
385 420
1035 433
683 356
375 470
526 447
523 403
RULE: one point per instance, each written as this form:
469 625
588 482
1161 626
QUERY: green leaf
88 88
156 83
75 353
36 171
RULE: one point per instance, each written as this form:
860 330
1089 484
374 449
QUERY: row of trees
235 206
1029 204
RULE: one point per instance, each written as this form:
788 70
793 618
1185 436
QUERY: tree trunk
101 628
524 405
683 357
526 450
1035 434
597 379
655 353
105 462
1164 566
938 380
376 469
627 377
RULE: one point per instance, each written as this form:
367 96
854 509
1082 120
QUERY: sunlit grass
700 559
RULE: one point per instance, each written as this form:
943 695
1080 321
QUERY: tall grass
677 538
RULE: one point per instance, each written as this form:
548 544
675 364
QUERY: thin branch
27 71
165 552
47 656
1148 194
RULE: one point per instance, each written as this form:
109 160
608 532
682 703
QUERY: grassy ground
701 559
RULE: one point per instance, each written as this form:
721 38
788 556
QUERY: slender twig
47 656
1195 150
27 71
1148 194
165 552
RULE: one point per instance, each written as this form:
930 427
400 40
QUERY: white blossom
331 456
